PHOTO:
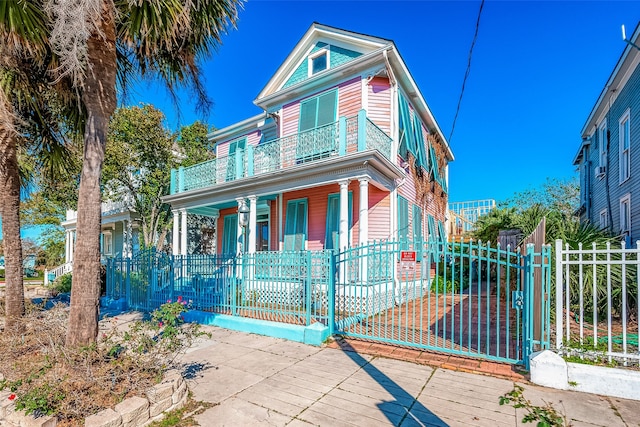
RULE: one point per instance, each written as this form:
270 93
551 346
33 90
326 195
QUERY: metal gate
462 298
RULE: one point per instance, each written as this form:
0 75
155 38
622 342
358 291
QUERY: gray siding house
609 156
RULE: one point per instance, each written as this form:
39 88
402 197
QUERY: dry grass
72 384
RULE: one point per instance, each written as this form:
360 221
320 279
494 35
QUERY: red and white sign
408 260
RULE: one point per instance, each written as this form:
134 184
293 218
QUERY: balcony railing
347 135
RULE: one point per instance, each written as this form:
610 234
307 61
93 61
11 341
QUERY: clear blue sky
538 68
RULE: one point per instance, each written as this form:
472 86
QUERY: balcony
341 138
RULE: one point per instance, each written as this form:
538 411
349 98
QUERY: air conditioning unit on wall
600 171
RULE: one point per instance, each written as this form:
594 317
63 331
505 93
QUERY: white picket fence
57 272
578 296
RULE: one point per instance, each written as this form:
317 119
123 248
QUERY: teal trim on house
337 57
234 159
318 111
432 228
230 234
295 228
333 220
441 232
403 219
417 230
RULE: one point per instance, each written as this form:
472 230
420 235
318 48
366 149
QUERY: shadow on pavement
404 410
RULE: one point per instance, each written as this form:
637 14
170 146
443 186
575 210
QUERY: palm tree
98 41
32 106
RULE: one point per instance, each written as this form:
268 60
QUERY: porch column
72 244
175 244
363 216
343 229
240 238
124 250
253 219
363 231
67 246
183 234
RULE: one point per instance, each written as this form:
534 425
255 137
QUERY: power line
466 74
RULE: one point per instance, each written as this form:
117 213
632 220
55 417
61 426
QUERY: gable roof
371 51
318 33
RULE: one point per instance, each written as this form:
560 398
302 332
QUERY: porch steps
436 360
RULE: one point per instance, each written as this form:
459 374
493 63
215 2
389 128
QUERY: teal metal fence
289 287
463 298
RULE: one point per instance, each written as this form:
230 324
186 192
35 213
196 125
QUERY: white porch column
240 236
363 231
72 247
363 216
252 229
183 234
175 245
343 229
67 246
125 239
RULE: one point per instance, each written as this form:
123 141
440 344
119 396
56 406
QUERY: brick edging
170 394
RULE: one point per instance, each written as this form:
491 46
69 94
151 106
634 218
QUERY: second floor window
625 147
625 215
602 137
604 219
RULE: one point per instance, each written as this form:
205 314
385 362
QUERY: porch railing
340 138
596 302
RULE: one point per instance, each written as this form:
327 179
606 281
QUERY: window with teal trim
316 140
417 231
403 219
319 61
432 228
230 234
295 227
331 238
234 147
443 234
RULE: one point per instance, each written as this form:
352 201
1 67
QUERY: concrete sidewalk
261 381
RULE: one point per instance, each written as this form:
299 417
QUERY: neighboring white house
118 237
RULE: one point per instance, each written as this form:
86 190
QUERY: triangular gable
343 46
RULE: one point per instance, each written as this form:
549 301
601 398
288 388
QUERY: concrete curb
550 370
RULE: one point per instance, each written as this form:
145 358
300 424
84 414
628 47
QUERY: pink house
345 152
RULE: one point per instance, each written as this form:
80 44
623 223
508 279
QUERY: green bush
62 284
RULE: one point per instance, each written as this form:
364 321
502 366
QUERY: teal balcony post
342 140
172 187
362 130
239 163
250 160
180 179
308 287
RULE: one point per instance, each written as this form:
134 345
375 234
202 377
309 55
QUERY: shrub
62 284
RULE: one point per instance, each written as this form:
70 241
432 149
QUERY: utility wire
466 74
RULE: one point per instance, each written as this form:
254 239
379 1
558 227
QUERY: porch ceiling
370 164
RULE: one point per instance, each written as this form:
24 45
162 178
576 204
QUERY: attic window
318 61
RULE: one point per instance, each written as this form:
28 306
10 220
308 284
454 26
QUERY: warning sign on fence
408 260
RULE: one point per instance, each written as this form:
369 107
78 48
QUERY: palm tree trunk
10 211
99 98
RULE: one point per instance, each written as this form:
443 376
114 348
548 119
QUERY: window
314 113
432 228
106 243
230 234
625 216
262 235
403 219
232 168
625 146
602 138
604 219
332 234
318 61
295 227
